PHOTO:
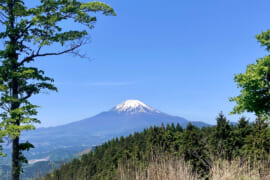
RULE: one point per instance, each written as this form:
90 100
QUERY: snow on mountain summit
133 106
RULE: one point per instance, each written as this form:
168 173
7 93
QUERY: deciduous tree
27 32
255 83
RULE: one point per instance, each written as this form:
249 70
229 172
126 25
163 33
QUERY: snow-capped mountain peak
133 106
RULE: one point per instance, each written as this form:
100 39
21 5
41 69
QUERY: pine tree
221 140
257 144
241 131
193 150
179 128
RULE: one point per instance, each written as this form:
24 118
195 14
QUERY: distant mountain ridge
56 145
122 120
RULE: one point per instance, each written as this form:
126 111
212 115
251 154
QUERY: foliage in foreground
199 148
254 83
28 31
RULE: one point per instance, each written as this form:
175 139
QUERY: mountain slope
132 157
123 119
59 143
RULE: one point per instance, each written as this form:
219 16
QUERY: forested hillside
199 149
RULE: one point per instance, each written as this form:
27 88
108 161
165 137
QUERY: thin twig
30 58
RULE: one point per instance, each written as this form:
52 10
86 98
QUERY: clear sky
176 56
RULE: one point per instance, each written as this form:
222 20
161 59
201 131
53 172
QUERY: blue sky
176 56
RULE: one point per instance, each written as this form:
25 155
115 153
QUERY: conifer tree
179 128
240 132
193 150
257 144
26 33
222 138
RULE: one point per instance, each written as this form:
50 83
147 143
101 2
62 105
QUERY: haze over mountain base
61 143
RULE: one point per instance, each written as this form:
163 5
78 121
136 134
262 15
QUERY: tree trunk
15 159
16 140
13 57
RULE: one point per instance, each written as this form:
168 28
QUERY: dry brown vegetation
177 169
158 169
235 170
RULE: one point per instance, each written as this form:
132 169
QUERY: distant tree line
248 141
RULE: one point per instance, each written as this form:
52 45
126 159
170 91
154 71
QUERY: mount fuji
123 119
134 106
56 145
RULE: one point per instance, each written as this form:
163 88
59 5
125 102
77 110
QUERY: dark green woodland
199 147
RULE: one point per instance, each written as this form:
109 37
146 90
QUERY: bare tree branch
26 29
3 17
1 20
27 96
2 14
204 161
59 53
37 54
5 107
